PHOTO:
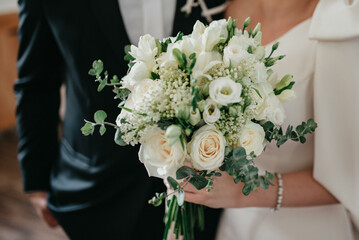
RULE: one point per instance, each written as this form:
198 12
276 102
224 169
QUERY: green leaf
88 129
100 116
199 182
118 138
92 72
239 153
155 76
180 57
102 129
179 36
173 183
184 172
101 86
97 66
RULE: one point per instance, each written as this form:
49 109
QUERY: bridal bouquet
209 98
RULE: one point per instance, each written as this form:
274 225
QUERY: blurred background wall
18 220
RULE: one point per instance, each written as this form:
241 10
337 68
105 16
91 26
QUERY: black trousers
103 222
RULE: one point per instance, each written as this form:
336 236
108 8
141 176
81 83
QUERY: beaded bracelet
280 192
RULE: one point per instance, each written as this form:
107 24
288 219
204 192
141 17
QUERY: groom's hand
38 200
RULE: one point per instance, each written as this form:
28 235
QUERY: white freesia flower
273 80
207 148
146 51
215 33
194 117
196 36
205 62
252 138
211 113
225 91
160 159
138 73
140 90
287 95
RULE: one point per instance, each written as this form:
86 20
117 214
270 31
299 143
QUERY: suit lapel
110 21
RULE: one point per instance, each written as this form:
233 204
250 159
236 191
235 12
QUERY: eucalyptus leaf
100 116
184 172
173 183
102 129
87 129
118 138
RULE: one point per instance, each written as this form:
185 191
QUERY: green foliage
128 57
276 133
181 58
184 172
290 86
179 36
100 116
173 183
164 44
240 166
155 76
88 129
196 97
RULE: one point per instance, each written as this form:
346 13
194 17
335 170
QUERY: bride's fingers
188 164
190 188
194 198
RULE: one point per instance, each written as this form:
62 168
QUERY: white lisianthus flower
124 113
146 51
261 73
211 113
140 90
271 109
287 95
205 62
215 33
252 138
160 159
224 91
207 148
138 73
235 52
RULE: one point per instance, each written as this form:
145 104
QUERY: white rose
277 116
146 51
215 33
138 73
207 148
205 62
124 113
160 159
252 138
287 95
224 91
140 90
211 113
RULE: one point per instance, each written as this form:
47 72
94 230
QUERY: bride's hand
225 193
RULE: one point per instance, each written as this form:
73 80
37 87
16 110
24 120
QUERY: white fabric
335 157
336 100
153 17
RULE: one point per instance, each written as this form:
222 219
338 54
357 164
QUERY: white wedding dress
330 222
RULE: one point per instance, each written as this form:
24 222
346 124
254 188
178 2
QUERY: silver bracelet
280 192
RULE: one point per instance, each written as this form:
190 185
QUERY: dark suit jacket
59 39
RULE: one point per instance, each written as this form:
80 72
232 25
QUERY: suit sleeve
40 74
